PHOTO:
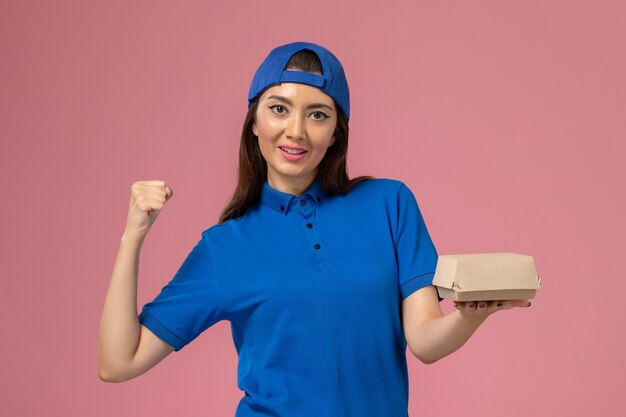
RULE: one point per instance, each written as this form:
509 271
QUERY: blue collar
282 202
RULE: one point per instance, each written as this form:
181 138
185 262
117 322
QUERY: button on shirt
312 286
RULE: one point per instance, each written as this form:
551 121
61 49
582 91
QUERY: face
299 117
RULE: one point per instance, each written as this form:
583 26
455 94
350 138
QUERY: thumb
169 192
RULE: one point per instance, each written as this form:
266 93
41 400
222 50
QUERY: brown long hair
252 172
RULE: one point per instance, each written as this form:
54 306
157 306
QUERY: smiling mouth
291 151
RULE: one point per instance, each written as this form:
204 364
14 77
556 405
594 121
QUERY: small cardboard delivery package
486 277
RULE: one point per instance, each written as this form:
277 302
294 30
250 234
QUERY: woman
324 279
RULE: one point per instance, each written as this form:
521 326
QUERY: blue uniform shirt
312 286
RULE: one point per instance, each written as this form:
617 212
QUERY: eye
322 115
275 108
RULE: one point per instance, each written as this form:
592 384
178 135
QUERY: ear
332 141
254 129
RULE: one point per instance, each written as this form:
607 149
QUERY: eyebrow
310 106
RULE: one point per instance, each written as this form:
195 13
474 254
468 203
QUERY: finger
149 184
160 183
509 304
155 192
145 186
147 203
520 303
152 195
142 190
487 307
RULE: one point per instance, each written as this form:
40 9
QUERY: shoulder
393 195
220 230
386 188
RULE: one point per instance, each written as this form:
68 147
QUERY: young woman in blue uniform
325 280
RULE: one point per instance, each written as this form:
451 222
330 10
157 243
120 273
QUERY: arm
126 349
431 336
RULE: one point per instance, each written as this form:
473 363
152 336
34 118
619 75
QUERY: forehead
298 92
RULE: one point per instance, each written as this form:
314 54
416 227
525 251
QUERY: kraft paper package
486 277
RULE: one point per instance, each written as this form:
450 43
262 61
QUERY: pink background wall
505 118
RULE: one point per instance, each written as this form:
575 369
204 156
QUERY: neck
296 186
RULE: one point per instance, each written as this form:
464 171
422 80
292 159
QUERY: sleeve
415 252
188 304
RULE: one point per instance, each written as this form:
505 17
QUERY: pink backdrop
505 118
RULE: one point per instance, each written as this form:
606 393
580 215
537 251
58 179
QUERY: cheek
325 137
265 140
267 128
264 143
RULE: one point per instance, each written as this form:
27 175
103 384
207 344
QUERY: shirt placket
306 209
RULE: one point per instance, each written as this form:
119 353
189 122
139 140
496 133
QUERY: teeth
291 151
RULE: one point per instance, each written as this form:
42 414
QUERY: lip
291 157
296 148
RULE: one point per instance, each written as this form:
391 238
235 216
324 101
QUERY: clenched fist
146 202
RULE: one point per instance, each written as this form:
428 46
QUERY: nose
296 128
